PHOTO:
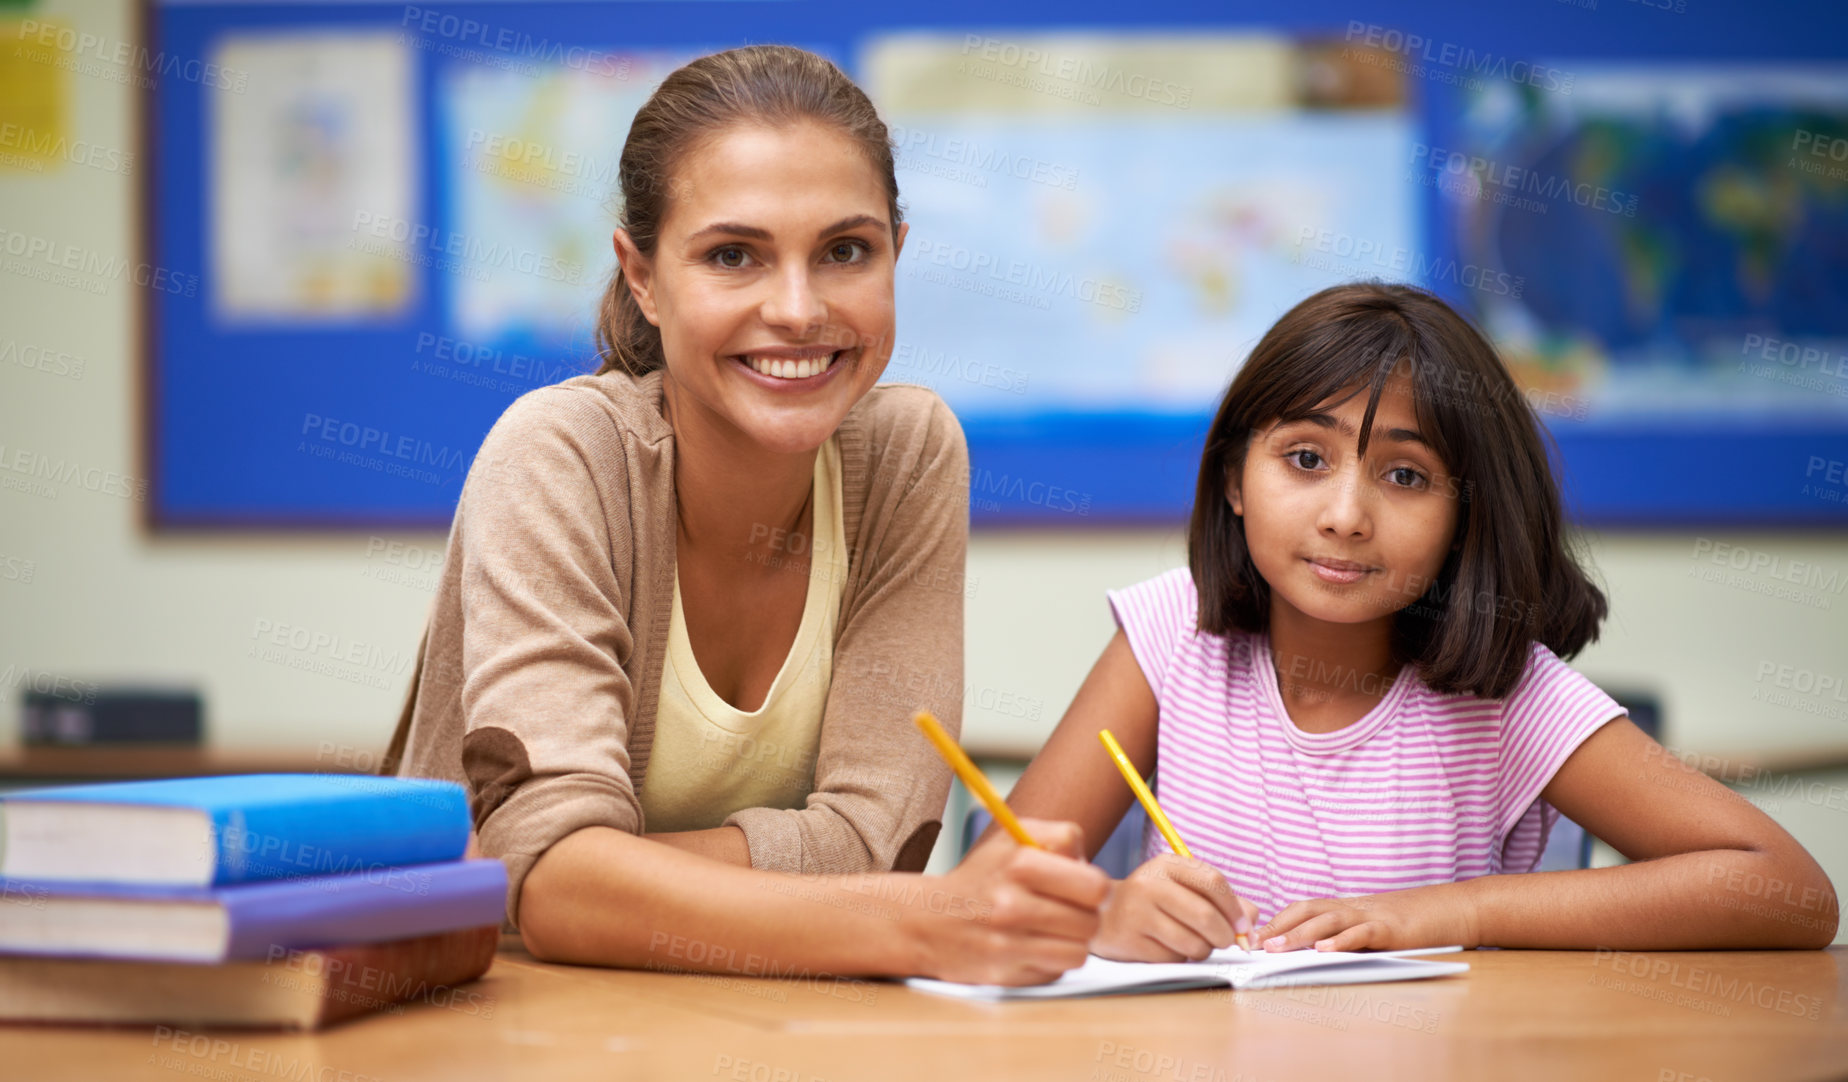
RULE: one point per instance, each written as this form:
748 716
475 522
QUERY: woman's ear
637 274
1234 496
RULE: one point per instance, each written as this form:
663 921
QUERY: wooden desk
1662 1017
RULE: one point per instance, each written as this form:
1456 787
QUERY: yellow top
711 759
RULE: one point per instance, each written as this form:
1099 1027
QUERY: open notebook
1223 968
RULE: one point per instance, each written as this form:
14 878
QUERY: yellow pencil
972 778
1147 798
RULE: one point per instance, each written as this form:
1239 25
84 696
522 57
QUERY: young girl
1353 697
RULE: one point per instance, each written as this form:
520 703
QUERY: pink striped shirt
1425 788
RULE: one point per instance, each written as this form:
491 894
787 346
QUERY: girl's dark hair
763 84
1509 580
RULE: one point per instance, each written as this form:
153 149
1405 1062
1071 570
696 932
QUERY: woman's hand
1171 910
1009 914
1436 916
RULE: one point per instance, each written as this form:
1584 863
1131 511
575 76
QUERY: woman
689 603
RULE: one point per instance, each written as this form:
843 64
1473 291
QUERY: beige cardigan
537 682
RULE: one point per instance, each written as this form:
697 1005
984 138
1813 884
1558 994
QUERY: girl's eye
1298 456
851 248
724 257
1407 477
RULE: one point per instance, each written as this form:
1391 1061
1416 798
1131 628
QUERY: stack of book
289 900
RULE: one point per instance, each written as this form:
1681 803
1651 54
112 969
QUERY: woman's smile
794 368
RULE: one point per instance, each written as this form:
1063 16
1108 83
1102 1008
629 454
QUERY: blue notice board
398 216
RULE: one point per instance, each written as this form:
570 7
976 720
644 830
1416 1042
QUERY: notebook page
1260 969
1097 976
1231 966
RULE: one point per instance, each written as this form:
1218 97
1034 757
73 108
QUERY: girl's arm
1010 916
1170 909
1072 779
1710 871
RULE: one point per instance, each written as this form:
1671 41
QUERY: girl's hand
1009 914
1436 916
1171 910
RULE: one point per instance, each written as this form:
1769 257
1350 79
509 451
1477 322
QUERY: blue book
249 921
236 829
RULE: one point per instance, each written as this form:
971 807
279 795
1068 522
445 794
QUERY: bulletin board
398 220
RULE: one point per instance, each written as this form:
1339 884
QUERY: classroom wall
106 601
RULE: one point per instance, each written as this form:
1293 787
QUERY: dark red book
296 989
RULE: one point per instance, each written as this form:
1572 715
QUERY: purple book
251 920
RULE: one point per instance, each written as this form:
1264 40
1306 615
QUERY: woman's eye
729 257
1299 457
850 249
1407 477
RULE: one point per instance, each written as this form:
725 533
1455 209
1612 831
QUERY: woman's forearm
1708 900
723 844
1007 915
605 897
